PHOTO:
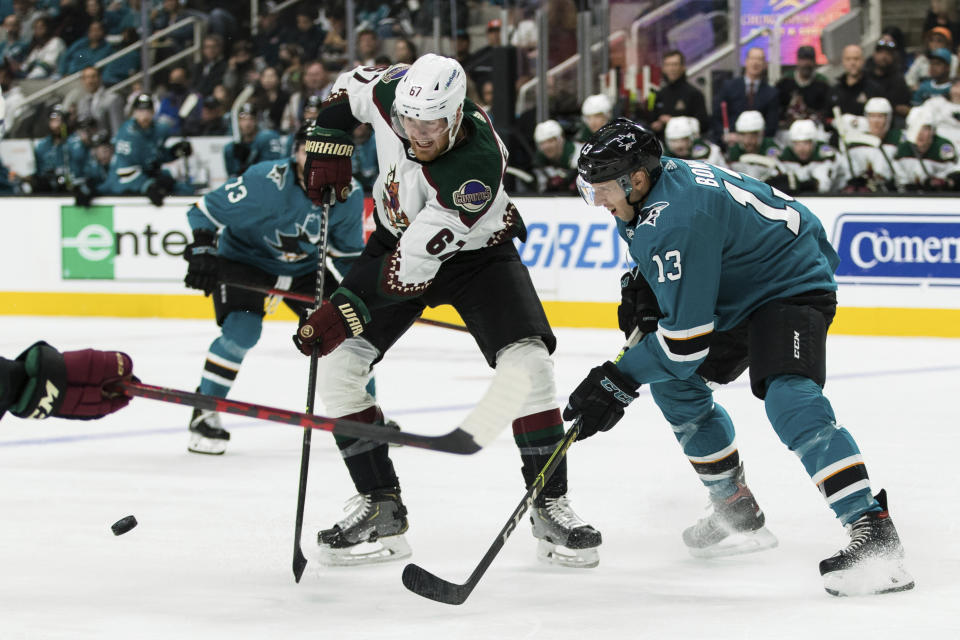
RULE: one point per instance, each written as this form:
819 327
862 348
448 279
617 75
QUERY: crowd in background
889 123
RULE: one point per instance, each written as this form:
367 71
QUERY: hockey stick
423 583
479 429
292 295
300 560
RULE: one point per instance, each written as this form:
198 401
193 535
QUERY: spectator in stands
13 47
90 101
291 60
748 93
269 36
804 93
676 96
306 33
140 151
168 113
924 160
753 153
27 13
127 64
241 68
404 51
479 64
270 99
941 14
938 84
682 140
808 165
43 54
849 93
170 13
368 46
120 16
213 120
208 73
85 51
893 37
50 156
595 112
13 98
555 165
485 100
334 49
316 82
935 38
886 81
255 144
365 165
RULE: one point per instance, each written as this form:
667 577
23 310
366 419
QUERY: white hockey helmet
595 105
749 121
803 130
546 130
918 118
878 105
433 88
679 127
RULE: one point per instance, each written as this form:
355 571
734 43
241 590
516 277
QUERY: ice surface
211 557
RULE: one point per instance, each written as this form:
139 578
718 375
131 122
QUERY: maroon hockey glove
600 399
341 317
70 384
329 164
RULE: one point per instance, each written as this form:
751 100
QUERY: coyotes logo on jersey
390 200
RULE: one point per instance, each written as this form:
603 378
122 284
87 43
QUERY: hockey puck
123 525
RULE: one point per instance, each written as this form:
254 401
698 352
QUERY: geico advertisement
898 248
123 242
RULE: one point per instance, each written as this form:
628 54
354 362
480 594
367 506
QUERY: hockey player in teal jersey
730 273
255 144
268 230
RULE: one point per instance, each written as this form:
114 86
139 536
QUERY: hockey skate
873 561
555 525
206 434
372 531
734 526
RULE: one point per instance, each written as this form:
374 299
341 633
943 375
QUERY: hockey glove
342 316
182 149
202 263
638 305
83 195
241 151
70 384
329 164
600 399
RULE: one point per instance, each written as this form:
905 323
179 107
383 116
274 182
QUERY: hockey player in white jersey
444 229
924 160
867 161
753 154
809 165
682 138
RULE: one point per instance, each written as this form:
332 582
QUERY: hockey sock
805 422
368 462
537 436
240 332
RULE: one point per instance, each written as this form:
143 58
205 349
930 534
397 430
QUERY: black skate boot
873 561
556 525
734 526
371 532
206 434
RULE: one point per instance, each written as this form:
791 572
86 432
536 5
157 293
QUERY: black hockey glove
600 399
241 151
202 264
182 149
638 305
159 188
83 195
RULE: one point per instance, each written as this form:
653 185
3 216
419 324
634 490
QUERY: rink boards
899 272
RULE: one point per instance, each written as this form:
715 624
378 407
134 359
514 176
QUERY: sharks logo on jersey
279 175
390 200
650 213
298 246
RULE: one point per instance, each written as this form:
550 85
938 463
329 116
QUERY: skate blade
560 556
208 446
737 544
386 549
871 577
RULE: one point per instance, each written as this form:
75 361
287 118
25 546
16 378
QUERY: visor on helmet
604 193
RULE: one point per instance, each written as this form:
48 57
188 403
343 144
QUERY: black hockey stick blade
299 563
423 583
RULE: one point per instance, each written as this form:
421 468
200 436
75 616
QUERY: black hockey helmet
617 149
300 137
